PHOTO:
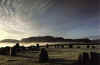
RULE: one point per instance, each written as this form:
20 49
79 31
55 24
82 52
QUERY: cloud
48 17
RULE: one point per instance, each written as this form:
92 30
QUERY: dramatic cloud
67 18
21 16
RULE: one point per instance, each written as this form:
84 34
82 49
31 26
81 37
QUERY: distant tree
93 47
43 55
37 45
86 40
23 48
17 45
88 46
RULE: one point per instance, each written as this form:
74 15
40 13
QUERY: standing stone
43 55
47 46
15 49
94 58
93 47
70 46
84 59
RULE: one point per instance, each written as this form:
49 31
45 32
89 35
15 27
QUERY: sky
61 18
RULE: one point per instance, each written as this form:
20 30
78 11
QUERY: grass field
57 56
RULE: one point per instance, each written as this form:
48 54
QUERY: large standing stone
94 58
84 59
43 55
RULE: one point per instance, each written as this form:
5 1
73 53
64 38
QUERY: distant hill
10 40
43 39
53 39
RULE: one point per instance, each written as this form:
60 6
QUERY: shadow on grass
61 61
